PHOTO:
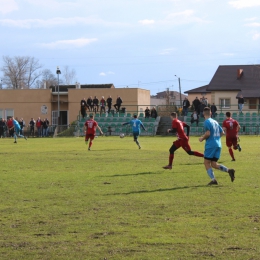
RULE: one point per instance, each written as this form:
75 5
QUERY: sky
133 43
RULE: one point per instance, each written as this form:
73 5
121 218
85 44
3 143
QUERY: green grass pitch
61 201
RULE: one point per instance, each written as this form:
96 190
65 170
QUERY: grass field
60 201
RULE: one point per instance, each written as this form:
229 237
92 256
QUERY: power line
159 82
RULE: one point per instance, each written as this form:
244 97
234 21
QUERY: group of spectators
93 105
42 127
150 113
7 129
198 107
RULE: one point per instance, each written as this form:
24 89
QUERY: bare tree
20 72
33 71
68 75
48 79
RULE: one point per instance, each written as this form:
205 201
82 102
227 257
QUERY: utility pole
58 72
167 97
179 89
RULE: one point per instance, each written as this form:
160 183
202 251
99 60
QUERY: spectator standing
45 127
10 127
90 103
5 128
196 105
83 106
22 125
202 106
118 103
194 118
240 103
32 124
153 113
2 126
213 110
39 126
185 105
147 112
102 105
95 104
109 103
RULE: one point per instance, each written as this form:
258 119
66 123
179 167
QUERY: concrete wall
27 103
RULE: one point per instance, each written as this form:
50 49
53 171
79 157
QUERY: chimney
78 85
239 73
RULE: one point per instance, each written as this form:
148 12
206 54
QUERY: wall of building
143 99
192 96
132 97
217 95
158 101
27 103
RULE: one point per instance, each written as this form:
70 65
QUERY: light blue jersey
136 124
16 125
215 129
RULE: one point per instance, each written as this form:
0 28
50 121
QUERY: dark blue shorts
135 134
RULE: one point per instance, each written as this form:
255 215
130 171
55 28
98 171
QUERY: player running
17 130
136 124
231 127
90 129
213 133
183 140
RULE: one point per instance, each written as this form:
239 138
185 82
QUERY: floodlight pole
58 72
179 88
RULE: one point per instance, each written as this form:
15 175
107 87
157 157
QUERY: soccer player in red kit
231 128
90 129
183 140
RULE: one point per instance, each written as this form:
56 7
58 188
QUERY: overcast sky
134 43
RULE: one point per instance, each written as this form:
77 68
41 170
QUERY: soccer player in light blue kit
136 124
17 129
213 133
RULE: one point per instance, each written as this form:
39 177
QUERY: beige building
228 84
200 92
167 98
43 103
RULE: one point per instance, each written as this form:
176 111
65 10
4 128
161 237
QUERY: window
9 113
1 113
224 102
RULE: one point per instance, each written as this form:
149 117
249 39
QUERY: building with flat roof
43 103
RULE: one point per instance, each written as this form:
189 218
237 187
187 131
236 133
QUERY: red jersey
91 127
231 127
10 123
180 130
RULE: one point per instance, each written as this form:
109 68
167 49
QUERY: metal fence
116 131
164 110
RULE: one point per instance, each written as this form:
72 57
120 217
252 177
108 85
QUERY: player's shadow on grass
107 150
201 163
158 190
130 174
